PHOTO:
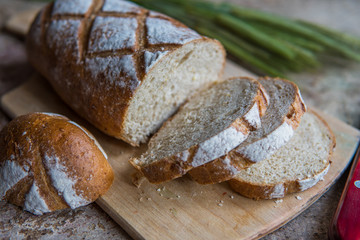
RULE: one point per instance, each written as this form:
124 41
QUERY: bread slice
208 126
281 118
124 68
295 167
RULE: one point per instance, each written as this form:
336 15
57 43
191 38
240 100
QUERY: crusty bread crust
226 167
279 190
48 163
179 164
99 78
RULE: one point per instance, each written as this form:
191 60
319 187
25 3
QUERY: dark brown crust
216 171
32 137
174 166
264 191
86 94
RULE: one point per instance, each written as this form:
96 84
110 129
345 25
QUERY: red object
346 222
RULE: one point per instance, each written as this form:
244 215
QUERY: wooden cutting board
183 209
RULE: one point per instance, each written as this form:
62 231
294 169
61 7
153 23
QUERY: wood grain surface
183 209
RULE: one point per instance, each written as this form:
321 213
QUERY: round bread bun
48 162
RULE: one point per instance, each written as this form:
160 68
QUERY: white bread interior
167 85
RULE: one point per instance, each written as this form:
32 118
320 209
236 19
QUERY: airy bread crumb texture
274 131
204 116
302 161
177 76
281 118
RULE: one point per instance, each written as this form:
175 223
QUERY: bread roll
123 68
48 162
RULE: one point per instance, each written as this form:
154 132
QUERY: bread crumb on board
298 197
277 201
173 211
137 178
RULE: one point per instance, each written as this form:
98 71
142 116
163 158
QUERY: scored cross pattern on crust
104 29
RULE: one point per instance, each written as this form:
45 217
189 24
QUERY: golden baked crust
48 162
95 59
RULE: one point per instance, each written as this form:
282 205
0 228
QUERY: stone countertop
335 89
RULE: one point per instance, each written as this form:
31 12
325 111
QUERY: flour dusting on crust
157 15
10 174
253 116
310 182
62 37
228 165
162 31
151 58
210 150
112 33
121 6
71 6
64 184
118 71
268 144
34 202
278 191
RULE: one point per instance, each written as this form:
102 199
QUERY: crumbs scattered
220 204
278 201
298 197
166 193
173 211
232 197
137 178
149 199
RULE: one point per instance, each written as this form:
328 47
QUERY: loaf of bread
48 162
208 126
123 68
281 118
295 167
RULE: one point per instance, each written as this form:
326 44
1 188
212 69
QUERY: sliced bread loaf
295 167
122 67
281 118
209 125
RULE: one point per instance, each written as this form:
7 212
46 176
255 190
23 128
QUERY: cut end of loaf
169 83
208 126
124 68
295 167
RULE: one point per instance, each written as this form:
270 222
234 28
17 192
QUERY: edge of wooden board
133 231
